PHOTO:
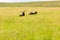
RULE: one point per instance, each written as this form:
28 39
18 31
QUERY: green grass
43 26
32 4
35 27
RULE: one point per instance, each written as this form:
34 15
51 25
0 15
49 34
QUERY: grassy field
32 4
43 26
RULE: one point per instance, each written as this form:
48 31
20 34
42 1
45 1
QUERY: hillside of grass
32 4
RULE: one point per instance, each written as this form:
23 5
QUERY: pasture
31 4
43 26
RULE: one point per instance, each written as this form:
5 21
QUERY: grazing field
43 26
32 4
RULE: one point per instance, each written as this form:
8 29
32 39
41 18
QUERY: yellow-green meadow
43 26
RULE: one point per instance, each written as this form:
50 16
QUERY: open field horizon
43 26
31 4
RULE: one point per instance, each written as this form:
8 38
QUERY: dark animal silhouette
22 14
32 13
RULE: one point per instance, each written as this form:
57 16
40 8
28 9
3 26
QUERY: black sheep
23 14
32 13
